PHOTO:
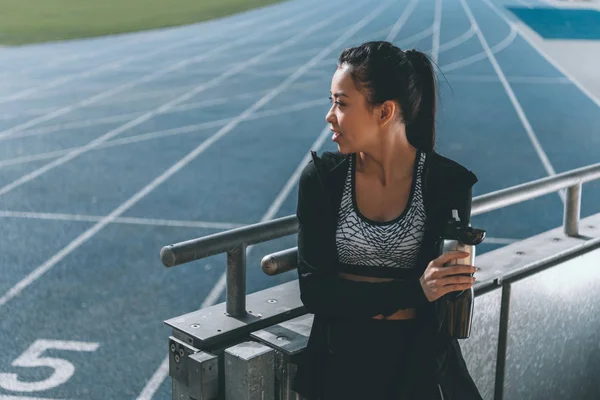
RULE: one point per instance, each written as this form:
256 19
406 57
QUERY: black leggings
370 361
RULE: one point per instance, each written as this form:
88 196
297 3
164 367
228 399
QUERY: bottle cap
455 230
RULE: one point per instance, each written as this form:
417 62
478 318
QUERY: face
355 127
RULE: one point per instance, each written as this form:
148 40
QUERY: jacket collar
442 168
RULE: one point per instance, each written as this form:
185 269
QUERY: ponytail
385 72
420 129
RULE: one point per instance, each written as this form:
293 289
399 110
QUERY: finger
451 255
456 269
455 288
457 280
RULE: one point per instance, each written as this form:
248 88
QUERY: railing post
249 372
236 281
502 342
572 210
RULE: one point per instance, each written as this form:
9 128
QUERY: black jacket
447 186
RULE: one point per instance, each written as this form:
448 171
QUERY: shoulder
450 171
319 166
332 159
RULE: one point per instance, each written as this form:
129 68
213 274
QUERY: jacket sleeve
464 203
322 291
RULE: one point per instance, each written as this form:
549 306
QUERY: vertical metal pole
203 376
236 281
284 372
249 372
502 342
572 210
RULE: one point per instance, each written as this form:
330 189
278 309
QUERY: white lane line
56 82
215 67
458 40
549 3
145 39
215 101
409 41
165 133
513 98
32 111
525 4
285 72
217 290
402 20
443 47
161 374
155 381
155 75
291 183
373 36
115 65
298 54
145 95
119 220
74 125
437 23
455 42
424 34
84 237
70 91
60 60
123 117
481 55
541 52
159 110
539 80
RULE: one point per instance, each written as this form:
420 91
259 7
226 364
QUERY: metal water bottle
456 308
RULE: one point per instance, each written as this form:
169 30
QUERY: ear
387 112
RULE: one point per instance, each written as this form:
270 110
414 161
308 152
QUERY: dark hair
385 72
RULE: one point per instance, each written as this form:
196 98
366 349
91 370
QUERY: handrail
233 241
206 246
530 190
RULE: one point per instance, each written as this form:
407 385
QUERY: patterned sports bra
383 249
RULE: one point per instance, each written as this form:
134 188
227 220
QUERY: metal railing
234 242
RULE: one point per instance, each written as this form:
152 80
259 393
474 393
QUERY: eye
336 102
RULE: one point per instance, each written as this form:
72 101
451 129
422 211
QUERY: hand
438 280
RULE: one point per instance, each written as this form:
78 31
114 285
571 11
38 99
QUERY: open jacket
447 185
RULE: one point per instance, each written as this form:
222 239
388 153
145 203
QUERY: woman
369 217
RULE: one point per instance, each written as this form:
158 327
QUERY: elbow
308 302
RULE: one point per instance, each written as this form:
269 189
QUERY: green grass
34 21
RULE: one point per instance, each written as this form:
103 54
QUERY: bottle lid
455 230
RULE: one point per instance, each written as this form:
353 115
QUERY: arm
322 291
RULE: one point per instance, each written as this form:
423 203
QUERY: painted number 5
63 370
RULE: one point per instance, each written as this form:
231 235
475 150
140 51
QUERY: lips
336 135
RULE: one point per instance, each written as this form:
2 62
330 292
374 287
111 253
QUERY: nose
330 116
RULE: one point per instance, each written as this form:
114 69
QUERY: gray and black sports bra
373 248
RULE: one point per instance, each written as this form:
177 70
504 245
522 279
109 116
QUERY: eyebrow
340 94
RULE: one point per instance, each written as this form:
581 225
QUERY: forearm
336 296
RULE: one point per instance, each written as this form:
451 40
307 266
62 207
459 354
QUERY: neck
391 160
